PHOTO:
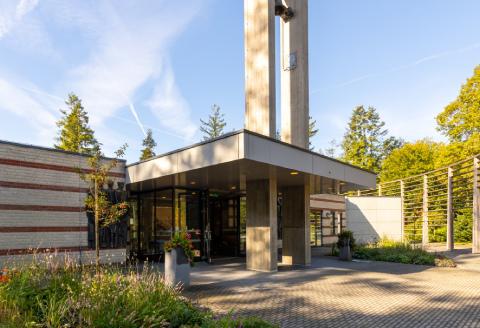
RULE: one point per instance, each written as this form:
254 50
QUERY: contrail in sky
130 105
404 67
137 119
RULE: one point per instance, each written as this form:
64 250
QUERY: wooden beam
476 206
450 214
425 212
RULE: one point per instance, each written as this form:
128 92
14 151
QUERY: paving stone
331 293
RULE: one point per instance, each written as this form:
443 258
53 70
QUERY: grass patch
74 296
392 251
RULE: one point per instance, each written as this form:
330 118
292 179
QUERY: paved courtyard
336 294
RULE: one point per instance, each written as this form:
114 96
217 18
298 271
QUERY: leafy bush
41 296
393 251
462 228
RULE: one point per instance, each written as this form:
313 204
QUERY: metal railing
440 205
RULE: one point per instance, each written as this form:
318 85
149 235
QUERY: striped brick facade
328 216
42 200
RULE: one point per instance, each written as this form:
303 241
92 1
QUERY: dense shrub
392 251
40 296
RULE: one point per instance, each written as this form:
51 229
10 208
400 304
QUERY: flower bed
39 296
391 251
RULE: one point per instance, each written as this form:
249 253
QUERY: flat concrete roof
225 161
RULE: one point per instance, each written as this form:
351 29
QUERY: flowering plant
184 240
4 276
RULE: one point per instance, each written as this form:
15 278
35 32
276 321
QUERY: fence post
476 206
402 197
425 212
450 216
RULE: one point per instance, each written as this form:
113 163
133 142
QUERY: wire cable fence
440 206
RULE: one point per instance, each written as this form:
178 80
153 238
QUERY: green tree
461 118
214 126
97 201
75 134
410 159
312 131
365 142
149 145
457 150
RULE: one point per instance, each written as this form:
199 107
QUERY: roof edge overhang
244 144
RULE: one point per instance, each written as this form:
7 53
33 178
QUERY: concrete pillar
260 66
425 212
296 225
262 224
450 216
476 206
294 74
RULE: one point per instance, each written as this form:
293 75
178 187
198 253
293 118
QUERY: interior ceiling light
234 187
192 182
294 173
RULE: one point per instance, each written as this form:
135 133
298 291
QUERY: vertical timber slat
450 230
425 212
476 207
402 196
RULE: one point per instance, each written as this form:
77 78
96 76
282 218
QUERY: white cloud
405 67
171 109
21 103
118 48
24 7
11 14
130 46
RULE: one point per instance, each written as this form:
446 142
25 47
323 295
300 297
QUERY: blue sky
162 64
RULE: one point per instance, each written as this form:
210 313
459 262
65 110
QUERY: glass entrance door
224 221
189 216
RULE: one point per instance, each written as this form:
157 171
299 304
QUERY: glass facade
325 225
216 223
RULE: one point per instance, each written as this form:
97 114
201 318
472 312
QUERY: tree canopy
461 118
365 143
75 134
410 159
215 124
149 145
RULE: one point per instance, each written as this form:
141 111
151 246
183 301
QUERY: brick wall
330 218
41 200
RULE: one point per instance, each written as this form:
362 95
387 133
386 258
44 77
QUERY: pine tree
312 131
365 142
75 134
149 144
214 126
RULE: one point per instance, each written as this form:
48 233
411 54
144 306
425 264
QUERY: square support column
294 74
296 225
260 66
262 224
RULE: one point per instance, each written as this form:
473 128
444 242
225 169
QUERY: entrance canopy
228 162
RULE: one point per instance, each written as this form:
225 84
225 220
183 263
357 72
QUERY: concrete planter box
345 253
177 268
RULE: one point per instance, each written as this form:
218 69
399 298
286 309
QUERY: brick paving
331 293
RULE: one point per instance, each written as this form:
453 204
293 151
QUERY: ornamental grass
68 295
